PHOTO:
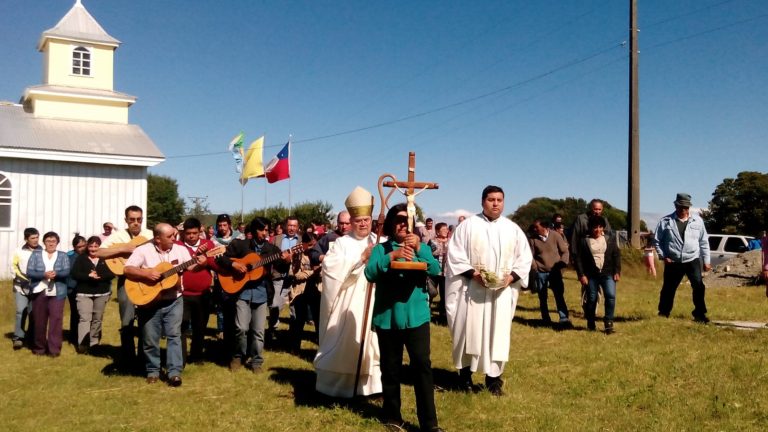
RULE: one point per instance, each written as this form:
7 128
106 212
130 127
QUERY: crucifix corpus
410 189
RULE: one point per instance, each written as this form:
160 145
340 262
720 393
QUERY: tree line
738 206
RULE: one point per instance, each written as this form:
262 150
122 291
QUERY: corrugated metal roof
78 25
21 130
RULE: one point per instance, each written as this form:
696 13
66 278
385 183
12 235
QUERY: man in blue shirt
284 242
682 243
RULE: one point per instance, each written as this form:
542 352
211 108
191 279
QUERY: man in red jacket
197 291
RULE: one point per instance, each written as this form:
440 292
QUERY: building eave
115 97
91 158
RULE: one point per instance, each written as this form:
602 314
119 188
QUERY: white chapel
69 158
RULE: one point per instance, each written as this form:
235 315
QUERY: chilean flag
279 168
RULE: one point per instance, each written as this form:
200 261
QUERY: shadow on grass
304 393
118 366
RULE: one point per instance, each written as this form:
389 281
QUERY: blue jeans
23 308
554 280
609 293
156 320
250 319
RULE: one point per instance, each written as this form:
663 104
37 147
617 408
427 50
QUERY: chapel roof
78 25
21 130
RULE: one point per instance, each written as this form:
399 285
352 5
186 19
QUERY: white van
723 247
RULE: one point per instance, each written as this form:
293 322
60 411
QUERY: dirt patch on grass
741 270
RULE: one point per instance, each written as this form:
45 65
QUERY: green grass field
653 374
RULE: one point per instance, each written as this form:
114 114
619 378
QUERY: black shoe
609 327
591 326
664 314
494 386
701 319
465 380
81 349
175 381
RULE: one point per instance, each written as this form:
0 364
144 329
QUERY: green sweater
401 300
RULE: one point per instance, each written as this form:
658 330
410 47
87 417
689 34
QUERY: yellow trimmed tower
78 73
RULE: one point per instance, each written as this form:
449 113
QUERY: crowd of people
367 292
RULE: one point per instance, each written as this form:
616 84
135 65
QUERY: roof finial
78 3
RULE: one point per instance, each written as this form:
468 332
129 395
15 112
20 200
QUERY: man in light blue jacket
682 243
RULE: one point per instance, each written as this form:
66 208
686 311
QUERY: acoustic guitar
141 293
117 264
232 282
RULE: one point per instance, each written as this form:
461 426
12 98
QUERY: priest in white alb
342 307
488 261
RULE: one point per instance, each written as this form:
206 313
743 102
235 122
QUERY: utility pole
633 195
199 205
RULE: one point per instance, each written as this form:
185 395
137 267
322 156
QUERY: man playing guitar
252 300
163 315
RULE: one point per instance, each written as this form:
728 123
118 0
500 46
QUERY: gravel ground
741 270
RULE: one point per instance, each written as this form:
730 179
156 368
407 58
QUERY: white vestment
480 319
342 305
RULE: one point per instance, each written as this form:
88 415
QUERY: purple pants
48 314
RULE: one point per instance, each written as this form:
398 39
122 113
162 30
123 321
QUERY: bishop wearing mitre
342 309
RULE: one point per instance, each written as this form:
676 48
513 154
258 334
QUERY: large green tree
740 205
544 207
163 201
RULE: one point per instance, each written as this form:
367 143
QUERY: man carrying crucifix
488 261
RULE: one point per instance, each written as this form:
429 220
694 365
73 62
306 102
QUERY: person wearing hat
342 308
681 241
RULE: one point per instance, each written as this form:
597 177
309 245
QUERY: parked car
723 247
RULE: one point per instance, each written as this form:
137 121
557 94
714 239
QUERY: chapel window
81 61
5 202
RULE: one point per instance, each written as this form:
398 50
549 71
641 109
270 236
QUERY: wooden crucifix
410 189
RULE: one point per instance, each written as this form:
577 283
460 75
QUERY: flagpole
290 207
242 201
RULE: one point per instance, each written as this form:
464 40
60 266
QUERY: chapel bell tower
78 73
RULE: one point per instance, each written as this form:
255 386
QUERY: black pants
74 316
302 305
195 318
673 274
416 341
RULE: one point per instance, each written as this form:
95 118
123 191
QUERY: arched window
5 201
81 61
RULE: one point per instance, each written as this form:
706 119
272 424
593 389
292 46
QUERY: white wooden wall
66 198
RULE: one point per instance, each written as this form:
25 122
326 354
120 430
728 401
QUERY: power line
497 91
683 15
712 30
438 109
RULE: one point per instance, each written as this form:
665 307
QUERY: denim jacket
669 243
36 271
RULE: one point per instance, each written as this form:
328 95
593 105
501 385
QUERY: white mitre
359 203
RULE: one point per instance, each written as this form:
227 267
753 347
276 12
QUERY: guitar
117 264
141 293
232 282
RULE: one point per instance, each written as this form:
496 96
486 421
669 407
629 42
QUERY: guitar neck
264 261
178 269
274 257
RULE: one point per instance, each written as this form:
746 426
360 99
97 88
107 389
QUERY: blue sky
553 123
